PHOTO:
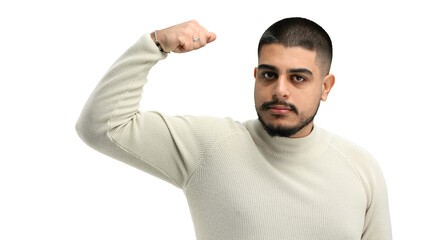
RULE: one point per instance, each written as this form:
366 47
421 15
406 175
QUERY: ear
327 84
255 72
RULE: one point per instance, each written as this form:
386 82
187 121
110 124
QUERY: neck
304 145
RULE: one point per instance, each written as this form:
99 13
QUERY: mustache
267 105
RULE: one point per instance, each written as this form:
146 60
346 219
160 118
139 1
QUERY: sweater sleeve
170 148
377 224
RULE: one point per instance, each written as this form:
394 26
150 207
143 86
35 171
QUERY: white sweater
240 183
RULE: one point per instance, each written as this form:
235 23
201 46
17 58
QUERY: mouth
279 109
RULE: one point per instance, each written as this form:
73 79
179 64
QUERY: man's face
288 89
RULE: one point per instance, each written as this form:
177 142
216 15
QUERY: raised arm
167 147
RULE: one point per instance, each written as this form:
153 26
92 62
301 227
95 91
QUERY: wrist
155 39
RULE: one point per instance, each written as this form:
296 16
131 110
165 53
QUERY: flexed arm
167 147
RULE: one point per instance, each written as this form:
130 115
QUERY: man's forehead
279 56
276 49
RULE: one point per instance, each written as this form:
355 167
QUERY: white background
53 53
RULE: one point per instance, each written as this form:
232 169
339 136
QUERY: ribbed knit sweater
239 182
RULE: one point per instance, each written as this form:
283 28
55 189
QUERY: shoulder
350 149
353 152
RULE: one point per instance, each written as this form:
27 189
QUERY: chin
277 129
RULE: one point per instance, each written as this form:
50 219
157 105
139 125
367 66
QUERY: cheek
261 95
257 95
307 101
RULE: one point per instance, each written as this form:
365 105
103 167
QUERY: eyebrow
267 66
292 70
300 70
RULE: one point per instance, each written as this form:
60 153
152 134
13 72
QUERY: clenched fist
184 37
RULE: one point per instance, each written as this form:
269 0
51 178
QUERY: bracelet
157 42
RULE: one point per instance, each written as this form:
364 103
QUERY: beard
285 131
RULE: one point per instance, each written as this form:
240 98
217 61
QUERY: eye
298 78
269 75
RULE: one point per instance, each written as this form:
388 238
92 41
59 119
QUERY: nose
281 89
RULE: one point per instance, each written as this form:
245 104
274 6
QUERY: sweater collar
290 149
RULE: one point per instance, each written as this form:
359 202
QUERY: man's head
292 76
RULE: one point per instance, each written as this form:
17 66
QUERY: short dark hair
301 32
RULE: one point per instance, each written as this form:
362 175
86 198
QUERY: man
277 177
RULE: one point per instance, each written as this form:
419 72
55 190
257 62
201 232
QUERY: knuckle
193 25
